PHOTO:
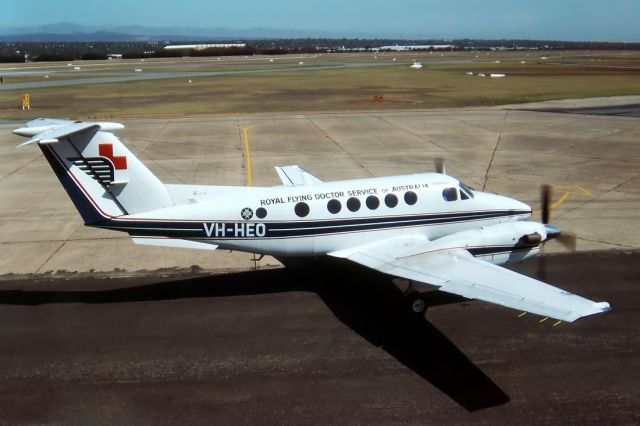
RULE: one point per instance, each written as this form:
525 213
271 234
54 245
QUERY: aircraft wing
457 271
294 175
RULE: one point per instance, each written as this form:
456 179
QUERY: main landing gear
415 303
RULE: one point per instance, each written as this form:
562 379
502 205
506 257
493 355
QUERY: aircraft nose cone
520 206
525 206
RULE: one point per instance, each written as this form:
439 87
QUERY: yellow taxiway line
247 156
565 195
560 201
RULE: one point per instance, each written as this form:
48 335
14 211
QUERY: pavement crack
411 132
608 243
50 257
340 147
493 154
20 167
143 152
594 139
615 188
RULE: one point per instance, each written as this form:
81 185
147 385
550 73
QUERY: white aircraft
428 228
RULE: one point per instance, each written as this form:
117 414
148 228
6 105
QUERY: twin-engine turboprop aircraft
428 228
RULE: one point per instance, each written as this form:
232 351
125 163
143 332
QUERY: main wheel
415 303
418 305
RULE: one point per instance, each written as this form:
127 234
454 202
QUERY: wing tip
596 308
602 306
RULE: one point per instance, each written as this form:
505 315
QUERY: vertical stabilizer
102 177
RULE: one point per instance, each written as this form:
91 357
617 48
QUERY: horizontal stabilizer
42 125
294 175
52 135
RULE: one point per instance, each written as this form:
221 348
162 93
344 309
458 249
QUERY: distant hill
80 33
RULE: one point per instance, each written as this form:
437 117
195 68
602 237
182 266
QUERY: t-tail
102 177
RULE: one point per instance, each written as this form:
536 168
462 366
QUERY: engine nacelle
502 243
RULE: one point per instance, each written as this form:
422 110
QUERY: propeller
566 238
440 166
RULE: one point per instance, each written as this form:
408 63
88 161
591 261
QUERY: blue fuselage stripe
296 229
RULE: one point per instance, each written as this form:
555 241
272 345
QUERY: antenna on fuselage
440 166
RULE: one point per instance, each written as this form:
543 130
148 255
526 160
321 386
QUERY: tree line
70 51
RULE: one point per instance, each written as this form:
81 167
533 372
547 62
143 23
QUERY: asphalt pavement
322 344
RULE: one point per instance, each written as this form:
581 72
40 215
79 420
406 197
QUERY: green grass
436 85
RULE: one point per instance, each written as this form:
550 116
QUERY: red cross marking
106 150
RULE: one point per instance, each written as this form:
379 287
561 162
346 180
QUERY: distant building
400 48
204 46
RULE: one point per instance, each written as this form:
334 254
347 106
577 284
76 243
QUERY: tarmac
323 345
592 161
163 336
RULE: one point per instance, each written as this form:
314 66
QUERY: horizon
570 20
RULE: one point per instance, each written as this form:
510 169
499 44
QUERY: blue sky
610 20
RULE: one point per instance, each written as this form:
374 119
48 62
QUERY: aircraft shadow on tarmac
366 301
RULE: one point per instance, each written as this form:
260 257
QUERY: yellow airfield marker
247 156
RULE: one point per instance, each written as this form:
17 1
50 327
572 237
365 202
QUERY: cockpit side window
465 189
450 194
463 195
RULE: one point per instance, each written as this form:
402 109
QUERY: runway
324 344
174 74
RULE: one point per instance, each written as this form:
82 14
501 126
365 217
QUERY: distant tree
94 55
54 56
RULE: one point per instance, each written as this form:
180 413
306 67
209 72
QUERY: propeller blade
568 240
440 166
545 201
541 272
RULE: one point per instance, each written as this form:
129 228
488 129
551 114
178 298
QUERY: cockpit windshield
466 189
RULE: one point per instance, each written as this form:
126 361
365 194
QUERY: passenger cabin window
302 209
353 204
450 194
334 206
391 200
410 198
372 202
261 213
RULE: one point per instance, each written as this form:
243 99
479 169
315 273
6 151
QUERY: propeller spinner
566 239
